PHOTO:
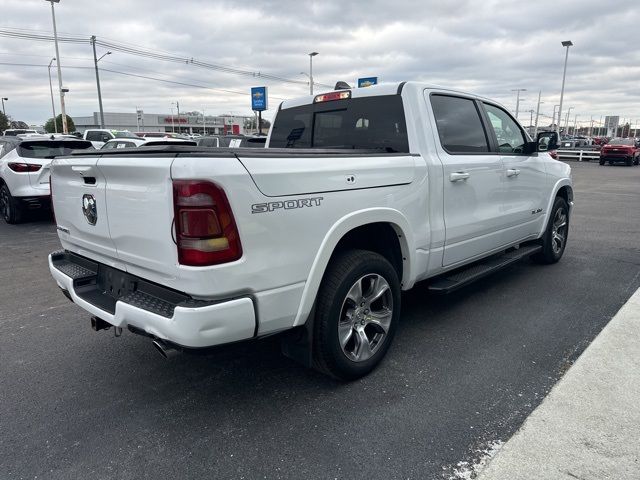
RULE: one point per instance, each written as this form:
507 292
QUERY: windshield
621 141
51 148
124 134
365 123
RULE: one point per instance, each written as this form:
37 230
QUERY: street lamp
95 63
55 38
567 44
53 105
3 99
311 55
518 90
575 124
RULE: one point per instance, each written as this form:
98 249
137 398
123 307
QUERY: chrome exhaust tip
165 350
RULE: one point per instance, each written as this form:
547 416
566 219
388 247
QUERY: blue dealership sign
259 100
367 81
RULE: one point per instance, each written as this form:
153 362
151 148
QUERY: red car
620 150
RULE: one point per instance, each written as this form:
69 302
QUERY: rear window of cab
376 122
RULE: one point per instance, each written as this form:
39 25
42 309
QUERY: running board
459 278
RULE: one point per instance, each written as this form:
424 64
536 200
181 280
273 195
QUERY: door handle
513 172
82 169
456 176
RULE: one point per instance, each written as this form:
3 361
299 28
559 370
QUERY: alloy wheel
559 231
365 317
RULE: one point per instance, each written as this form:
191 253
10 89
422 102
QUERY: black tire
629 162
333 305
550 252
636 160
9 207
601 162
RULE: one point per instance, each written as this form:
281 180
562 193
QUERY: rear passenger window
459 125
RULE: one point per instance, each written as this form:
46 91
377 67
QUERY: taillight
206 231
24 167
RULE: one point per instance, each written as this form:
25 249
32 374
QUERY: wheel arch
357 230
563 188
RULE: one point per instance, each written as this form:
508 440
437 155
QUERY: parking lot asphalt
464 372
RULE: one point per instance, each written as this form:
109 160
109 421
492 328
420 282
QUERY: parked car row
25 157
24 172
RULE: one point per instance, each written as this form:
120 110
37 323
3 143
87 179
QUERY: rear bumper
35 202
125 300
616 158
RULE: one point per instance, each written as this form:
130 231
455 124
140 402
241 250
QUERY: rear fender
337 232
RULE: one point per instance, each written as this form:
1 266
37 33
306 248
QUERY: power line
146 77
147 53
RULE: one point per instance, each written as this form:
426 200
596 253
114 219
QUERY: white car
118 143
98 136
360 194
24 172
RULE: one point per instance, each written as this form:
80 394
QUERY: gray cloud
486 47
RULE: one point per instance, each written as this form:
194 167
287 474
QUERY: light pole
553 120
518 90
53 105
3 99
567 44
311 55
55 38
204 123
95 63
575 124
173 128
600 126
566 122
535 131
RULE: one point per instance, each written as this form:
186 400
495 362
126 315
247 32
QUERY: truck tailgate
133 201
78 186
139 198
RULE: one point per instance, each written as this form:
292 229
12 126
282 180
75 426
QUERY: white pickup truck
361 194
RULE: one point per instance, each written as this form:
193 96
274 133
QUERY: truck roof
392 88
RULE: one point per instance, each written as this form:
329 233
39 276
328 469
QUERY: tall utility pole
95 63
178 108
204 123
173 128
3 99
311 55
518 90
535 131
575 123
567 44
53 105
55 38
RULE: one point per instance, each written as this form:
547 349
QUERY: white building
154 122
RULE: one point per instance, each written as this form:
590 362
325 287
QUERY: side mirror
547 141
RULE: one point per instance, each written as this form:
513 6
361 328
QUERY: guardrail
579 155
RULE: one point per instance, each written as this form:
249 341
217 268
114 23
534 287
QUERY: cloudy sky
488 47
